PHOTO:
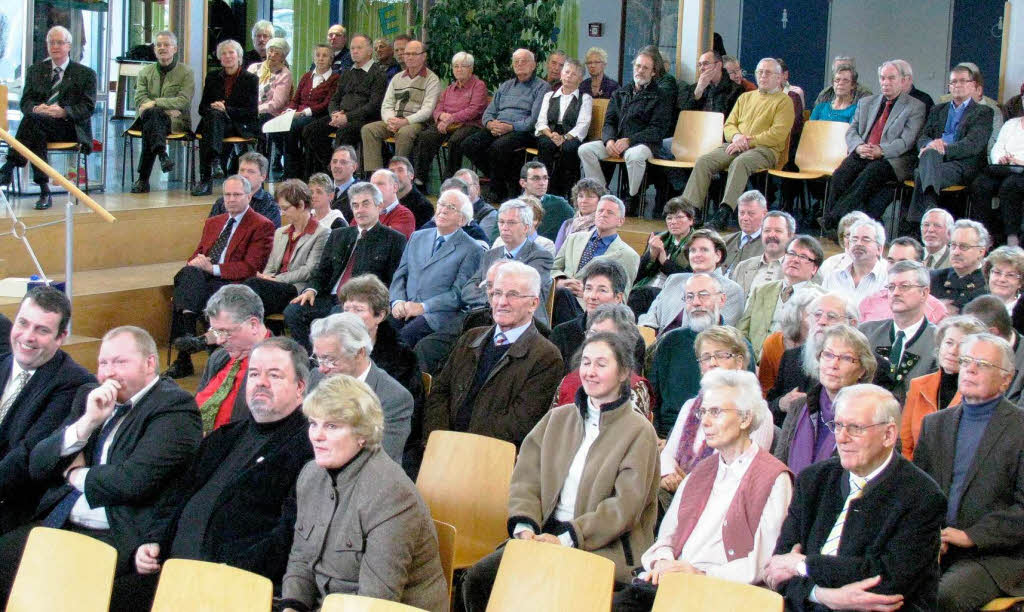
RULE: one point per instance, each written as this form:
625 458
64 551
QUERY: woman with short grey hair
275 87
597 84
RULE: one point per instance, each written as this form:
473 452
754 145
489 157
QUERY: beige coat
370 534
568 258
617 500
305 256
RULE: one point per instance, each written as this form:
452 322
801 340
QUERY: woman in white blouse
562 126
1004 179
727 514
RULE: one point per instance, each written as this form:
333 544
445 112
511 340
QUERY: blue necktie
589 251
437 244
60 513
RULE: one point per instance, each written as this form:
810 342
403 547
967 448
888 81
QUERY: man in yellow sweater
756 134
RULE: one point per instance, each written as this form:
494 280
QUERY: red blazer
249 248
315 99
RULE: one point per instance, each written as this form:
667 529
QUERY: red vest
744 513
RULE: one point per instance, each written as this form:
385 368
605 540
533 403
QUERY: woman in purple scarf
845 359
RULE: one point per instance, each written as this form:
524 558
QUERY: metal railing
20 231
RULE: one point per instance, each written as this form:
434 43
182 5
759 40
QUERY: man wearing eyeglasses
875 307
963 280
904 344
862 530
952 145
867 272
986 308
499 380
714 91
974 451
763 313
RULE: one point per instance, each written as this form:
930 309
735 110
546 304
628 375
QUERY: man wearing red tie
233 247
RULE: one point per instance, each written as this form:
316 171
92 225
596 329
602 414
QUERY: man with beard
936 230
674 372
906 342
798 369
867 272
963 280
776 228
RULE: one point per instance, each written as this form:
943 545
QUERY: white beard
699 323
809 357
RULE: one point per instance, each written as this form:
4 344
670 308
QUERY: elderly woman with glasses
598 85
717 348
1004 273
938 390
727 514
843 105
845 359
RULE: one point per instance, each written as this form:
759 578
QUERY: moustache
772 240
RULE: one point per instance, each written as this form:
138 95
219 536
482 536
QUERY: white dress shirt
833 263
234 228
704 549
12 386
842 280
1010 141
578 131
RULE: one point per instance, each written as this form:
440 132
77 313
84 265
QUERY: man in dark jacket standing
636 121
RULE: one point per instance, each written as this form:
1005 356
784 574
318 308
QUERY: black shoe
181 368
721 220
166 163
204 188
140 186
189 344
45 201
6 175
218 170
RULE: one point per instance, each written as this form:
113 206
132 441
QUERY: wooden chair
246 143
697 133
648 334
821 149
342 602
549 303
464 479
905 189
1003 603
446 549
185 139
679 592
213 587
63 570
552 577
428 381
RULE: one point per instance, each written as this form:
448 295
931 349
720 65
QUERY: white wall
1015 52
728 23
608 12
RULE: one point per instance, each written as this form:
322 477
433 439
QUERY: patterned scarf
686 456
581 223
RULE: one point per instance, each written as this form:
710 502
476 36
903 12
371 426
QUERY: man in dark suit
56 105
366 248
235 505
342 345
991 311
109 465
952 145
964 279
863 527
234 246
975 451
344 163
38 381
409 196
882 134
499 380
253 166
236 324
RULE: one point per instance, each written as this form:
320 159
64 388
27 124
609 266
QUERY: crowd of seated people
845 431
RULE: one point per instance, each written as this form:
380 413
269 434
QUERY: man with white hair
56 105
337 37
752 207
483 213
974 450
936 231
437 262
776 230
508 124
341 345
262 32
862 530
499 380
757 131
907 83
867 271
634 124
963 280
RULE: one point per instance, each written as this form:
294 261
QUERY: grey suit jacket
669 303
990 508
734 254
879 334
899 134
436 279
530 254
305 256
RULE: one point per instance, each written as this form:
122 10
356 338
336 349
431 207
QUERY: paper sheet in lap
280 123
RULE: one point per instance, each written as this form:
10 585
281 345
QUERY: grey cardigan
369 533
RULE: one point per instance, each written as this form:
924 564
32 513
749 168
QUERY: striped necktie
54 86
831 545
19 384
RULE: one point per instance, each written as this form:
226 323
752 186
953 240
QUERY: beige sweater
767 118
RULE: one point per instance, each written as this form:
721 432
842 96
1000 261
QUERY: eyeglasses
996 272
444 206
803 258
222 335
831 317
414 53
960 81
511 295
508 223
861 240
902 287
959 246
701 295
319 361
678 217
853 430
981 364
713 412
847 359
717 356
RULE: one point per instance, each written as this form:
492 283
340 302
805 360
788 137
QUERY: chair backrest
597 119
822 146
4 106
63 570
549 303
342 602
697 133
202 586
552 577
649 335
678 592
446 549
464 480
